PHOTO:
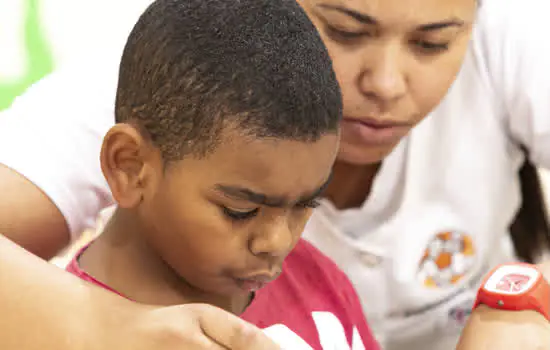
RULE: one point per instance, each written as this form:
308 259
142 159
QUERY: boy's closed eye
236 214
259 200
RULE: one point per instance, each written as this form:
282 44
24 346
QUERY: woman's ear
124 157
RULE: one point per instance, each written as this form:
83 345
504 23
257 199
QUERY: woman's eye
344 35
431 47
239 215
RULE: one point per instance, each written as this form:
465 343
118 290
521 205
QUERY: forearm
28 217
42 306
485 328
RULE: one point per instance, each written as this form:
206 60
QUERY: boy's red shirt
312 305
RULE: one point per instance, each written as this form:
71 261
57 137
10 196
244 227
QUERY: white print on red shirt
329 328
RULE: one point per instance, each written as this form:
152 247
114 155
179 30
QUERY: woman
415 232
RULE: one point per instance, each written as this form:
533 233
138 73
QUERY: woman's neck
121 258
350 184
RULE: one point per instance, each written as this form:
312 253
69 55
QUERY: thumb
230 331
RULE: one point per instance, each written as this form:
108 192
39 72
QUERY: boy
227 128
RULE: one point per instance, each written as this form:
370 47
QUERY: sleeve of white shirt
513 38
52 135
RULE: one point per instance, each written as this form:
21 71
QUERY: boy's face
226 222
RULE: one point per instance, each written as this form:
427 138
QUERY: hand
43 307
190 327
489 329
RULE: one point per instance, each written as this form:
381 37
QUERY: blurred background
38 37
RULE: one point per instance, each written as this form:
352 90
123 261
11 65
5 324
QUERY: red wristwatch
516 286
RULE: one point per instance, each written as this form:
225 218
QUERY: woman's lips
372 132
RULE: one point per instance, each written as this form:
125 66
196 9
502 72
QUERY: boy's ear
126 164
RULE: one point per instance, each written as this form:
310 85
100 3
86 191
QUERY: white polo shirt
439 210
438 215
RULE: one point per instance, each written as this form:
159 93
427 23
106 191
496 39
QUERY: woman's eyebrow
368 19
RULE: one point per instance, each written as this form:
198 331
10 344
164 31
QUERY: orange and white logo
448 257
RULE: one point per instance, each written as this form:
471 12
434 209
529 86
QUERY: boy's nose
274 240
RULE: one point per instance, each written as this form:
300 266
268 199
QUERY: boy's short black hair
193 67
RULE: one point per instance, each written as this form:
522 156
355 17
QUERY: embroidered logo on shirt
447 259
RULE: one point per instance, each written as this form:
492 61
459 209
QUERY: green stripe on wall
38 52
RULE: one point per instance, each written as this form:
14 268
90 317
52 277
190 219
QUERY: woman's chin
363 155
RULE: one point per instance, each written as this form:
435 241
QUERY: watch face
512 280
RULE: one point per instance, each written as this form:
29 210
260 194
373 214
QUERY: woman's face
395 61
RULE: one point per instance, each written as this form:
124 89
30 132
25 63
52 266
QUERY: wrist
486 314
82 318
108 319
515 287
489 328
544 268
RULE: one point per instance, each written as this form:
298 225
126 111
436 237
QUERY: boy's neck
121 259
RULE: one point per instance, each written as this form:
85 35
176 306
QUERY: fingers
230 332
164 328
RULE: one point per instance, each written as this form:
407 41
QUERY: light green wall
39 55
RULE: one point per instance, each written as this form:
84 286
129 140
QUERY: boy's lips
256 282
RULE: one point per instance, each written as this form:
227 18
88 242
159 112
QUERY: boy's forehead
267 165
272 166
265 152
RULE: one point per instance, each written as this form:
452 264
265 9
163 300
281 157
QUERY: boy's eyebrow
242 193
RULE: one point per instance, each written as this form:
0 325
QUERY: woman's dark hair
529 230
